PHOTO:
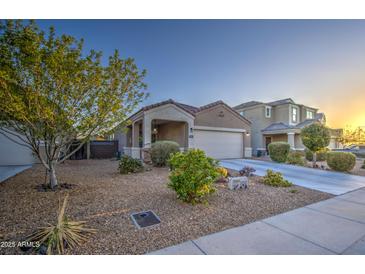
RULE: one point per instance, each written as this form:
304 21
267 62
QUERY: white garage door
219 144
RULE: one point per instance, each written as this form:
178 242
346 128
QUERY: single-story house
215 128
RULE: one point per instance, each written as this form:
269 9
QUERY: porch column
190 125
291 140
147 132
135 135
132 145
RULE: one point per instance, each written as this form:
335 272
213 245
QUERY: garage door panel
219 144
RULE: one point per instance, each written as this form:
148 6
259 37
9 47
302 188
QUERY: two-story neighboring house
281 120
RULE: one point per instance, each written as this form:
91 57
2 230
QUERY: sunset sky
320 63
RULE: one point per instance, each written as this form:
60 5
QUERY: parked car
358 150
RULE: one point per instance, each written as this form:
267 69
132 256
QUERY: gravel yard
105 199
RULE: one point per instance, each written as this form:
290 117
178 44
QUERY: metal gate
103 149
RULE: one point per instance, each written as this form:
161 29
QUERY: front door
268 140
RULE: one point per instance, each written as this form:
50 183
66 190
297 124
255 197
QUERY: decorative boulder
237 182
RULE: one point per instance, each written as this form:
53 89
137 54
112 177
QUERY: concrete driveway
327 181
9 171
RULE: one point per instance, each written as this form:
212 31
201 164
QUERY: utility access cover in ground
145 219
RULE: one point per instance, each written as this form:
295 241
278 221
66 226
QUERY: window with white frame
294 114
267 111
310 114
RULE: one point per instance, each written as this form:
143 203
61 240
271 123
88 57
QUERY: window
310 114
267 111
294 115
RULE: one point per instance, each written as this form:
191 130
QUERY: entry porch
293 138
141 135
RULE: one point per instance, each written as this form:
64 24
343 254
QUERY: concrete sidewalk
334 226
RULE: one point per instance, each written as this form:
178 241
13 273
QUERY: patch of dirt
105 199
45 188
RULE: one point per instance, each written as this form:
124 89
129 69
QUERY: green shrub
192 175
321 155
363 165
279 151
275 179
295 158
128 164
341 161
161 151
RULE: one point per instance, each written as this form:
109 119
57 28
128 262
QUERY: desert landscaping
104 198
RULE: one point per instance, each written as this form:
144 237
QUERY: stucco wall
280 138
220 116
173 131
14 154
257 116
135 134
303 112
281 113
168 112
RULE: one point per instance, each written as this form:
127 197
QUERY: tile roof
281 102
305 123
276 126
211 105
273 103
283 126
187 108
247 104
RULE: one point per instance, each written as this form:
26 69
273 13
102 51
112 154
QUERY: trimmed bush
341 161
321 155
279 151
296 158
192 175
275 179
161 151
128 164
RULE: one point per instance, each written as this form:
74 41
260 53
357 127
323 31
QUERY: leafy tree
52 93
315 137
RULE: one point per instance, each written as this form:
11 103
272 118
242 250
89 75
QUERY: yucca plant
64 233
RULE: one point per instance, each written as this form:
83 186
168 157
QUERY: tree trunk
314 159
52 177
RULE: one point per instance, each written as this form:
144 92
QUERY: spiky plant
64 233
